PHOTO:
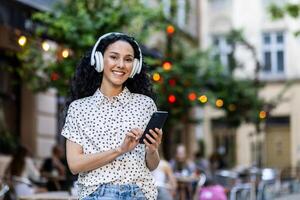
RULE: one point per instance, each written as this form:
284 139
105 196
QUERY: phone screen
157 120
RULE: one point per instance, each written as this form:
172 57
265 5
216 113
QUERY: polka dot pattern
98 124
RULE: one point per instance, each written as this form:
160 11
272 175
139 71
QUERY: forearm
87 162
152 160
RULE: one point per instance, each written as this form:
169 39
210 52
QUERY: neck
110 92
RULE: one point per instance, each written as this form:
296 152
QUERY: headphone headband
96 59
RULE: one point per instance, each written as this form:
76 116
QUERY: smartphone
157 120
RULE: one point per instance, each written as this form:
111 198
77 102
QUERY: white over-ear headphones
97 57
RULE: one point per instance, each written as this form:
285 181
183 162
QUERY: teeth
118 73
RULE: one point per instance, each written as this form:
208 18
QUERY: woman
111 103
21 172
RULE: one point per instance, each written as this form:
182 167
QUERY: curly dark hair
87 80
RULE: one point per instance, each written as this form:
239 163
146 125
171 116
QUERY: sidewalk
289 197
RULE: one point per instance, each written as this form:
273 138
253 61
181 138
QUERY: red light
54 76
172 98
192 96
172 82
170 29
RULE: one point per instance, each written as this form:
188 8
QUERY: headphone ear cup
99 61
135 67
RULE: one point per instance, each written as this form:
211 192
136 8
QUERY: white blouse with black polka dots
98 124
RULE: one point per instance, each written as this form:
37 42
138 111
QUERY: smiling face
118 61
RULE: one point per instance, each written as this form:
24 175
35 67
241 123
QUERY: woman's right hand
131 140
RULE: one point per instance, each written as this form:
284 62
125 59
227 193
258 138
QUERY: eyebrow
118 53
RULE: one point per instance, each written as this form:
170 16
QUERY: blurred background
226 70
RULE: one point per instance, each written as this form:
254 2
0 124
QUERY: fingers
155 137
135 133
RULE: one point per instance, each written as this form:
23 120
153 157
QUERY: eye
113 57
129 59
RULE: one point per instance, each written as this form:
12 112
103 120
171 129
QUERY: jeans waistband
119 188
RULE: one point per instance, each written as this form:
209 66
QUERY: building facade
31 117
278 144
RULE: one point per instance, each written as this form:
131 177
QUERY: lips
118 73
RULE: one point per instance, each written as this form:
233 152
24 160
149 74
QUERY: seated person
165 181
54 169
184 167
22 173
181 164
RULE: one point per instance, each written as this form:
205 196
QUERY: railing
3 190
241 191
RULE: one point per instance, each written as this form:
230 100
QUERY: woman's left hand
155 140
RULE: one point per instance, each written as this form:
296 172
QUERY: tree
192 78
288 9
74 25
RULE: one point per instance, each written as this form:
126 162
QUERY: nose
121 63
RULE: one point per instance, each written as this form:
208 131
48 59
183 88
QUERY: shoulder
80 104
143 99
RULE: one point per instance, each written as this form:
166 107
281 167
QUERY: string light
45 46
262 114
156 77
54 76
219 103
172 98
192 96
170 29
231 107
203 99
65 53
167 66
22 40
172 82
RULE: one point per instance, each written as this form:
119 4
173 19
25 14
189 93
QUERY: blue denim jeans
117 192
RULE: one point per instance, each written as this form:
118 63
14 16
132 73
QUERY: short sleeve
70 129
152 107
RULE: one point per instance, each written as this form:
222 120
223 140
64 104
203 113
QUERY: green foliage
8 142
290 9
203 74
75 25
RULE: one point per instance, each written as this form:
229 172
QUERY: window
167 8
176 9
273 53
181 13
222 49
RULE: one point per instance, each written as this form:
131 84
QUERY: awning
43 5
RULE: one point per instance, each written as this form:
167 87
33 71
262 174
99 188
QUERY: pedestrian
111 102
22 174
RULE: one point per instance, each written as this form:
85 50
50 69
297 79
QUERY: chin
119 82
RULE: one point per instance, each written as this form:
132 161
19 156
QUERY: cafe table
186 186
57 195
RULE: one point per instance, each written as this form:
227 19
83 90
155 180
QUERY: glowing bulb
167 66
170 29
203 99
45 46
172 98
65 53
156 77
22 40
231 107
192 96
262 114
219 103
